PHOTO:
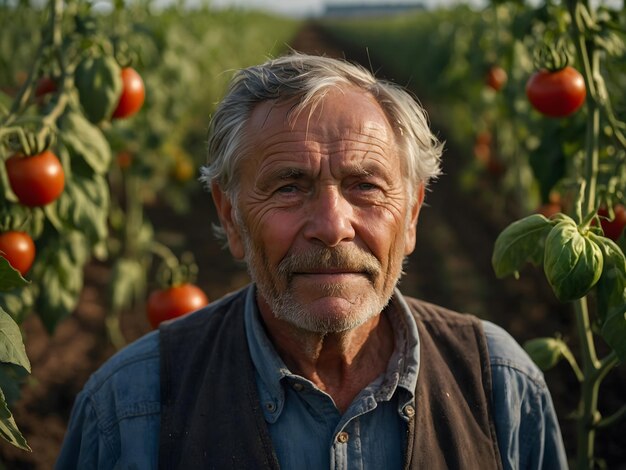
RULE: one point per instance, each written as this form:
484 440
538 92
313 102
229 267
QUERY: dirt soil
451 267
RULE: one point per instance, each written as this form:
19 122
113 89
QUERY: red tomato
36 180
18 249
496 77
45 85
556 94
133 94
484 137
613 228
482 152
164 304
124 159
549 209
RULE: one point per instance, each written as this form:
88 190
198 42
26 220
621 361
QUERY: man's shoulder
139 362
506 353
141 357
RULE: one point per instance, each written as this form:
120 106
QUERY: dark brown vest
211 416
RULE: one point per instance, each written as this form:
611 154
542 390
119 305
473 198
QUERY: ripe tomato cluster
38 180
173 302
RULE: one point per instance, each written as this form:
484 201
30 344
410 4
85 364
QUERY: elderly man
318 172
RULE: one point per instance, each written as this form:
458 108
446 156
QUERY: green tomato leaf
520 243
19 302
86 141
8 428
99 84
572 262
128 281
12 377
60 275
546 352
614 331
548 162
611 287
11 345
10 278
611 295
83 206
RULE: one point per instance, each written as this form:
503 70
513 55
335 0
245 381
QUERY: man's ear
226 214
411 230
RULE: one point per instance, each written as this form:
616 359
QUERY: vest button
409 411
342 437
298 387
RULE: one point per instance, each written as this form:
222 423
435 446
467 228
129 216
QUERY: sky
315 7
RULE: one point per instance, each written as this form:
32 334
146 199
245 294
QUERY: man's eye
287 189
367 186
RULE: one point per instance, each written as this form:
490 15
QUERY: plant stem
592 147
589 388
593 370
614 418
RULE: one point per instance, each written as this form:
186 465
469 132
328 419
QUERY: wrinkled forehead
337 110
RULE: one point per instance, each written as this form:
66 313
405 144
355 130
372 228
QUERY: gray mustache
342 258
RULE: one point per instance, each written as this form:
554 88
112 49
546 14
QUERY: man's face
323 219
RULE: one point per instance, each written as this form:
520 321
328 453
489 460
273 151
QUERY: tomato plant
558 93
133 94
583 157
496 77
100 213
614 227
36 180
18 249
175 301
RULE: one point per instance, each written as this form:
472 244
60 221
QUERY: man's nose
330 217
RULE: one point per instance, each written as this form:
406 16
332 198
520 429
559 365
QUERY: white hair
306 79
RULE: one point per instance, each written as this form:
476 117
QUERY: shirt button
342 437
298 387
409 411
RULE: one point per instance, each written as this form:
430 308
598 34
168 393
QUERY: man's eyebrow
288 173
285 173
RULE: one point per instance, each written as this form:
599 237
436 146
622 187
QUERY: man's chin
313 287
327 314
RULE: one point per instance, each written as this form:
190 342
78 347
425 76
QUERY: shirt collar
402 370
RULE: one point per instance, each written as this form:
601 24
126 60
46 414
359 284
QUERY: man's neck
341 364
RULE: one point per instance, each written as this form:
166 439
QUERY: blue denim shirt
115 422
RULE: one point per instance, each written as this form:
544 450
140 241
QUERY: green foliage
521 242
11 347
572 261
546 352
182 56
99 84
85 141
12 351
8 427
611 289
10 278
577 163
